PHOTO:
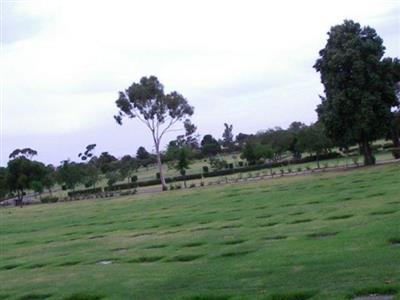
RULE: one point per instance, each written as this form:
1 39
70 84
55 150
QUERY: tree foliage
23 174
210 146
358 96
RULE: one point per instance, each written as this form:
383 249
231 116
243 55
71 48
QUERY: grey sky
248 63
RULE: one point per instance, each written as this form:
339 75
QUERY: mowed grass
320 236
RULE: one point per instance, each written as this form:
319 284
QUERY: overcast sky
248 63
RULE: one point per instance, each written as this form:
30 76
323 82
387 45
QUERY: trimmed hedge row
224 172
85 192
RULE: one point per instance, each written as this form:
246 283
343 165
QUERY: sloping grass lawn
321 236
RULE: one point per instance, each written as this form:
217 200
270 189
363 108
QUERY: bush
178 186
240 163
289 170
134 178
202 183
230 165
127 193
85 192
158 176
205 169
192 185
48 199
171 187
299 169
388 145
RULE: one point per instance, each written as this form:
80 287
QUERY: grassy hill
321 236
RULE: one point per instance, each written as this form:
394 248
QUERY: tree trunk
366 150
20 197
317 158
159 164
396 144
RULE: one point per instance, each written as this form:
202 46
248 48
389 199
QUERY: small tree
147 101
183 162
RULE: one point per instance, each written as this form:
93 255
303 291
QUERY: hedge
85 192
133 185
123 186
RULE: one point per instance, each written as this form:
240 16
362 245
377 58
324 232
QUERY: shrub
202 183
127 193
299 169
85 192
308 168
230 165
205 169
289 170
134 178
282 171
240 163
178 186
48 199
388 145
171 187
192 185
158 175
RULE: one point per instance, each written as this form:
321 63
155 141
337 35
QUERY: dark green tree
278 139
210 146
49 179
24 174
313 139
358 99
256 152
104 161
227 138
70 174
142 153
3 183
128 166
147 102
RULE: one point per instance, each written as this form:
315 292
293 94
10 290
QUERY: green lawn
320 236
